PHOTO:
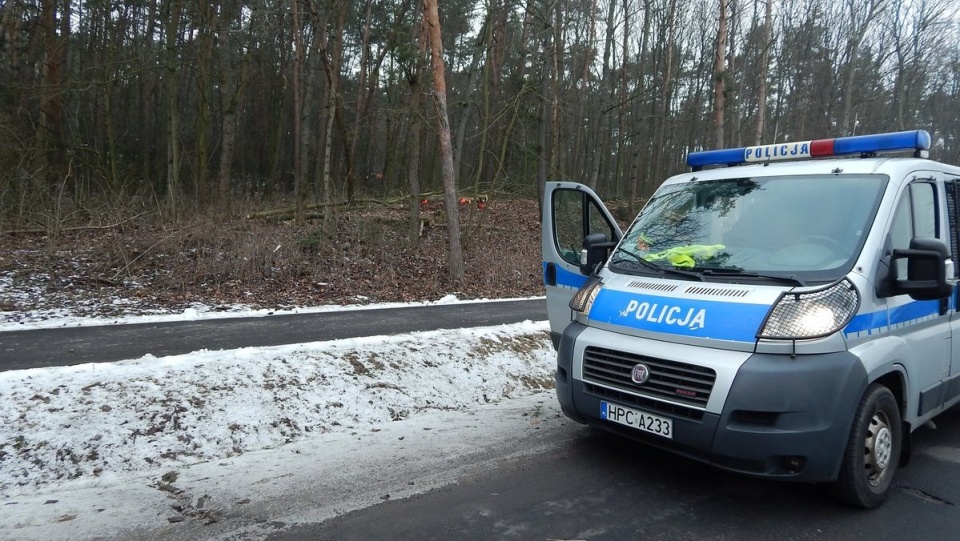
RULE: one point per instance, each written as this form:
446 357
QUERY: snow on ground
151 414
257 495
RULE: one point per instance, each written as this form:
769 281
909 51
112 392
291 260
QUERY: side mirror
596 248
928 268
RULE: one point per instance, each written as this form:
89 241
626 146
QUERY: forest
180 107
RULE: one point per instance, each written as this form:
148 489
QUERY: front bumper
785 417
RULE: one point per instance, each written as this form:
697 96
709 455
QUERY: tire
872 454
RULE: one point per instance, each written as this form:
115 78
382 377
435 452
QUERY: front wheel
873 450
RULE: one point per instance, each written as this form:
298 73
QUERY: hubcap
878 448
881 452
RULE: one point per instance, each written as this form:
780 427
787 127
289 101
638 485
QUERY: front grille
669 380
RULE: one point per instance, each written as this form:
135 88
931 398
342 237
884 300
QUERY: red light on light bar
821 148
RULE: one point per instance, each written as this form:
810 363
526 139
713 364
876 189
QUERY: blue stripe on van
881 321
565 278
737 322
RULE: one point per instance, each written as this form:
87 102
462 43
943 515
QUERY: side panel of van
571 211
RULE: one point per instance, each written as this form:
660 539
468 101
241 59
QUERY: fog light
793 464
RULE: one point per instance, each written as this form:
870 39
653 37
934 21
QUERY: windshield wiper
745 274
658 269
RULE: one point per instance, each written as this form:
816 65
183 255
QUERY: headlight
583 300
811 314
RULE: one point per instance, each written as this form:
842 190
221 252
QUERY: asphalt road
593 486
75 345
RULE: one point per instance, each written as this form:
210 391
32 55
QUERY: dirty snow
107 427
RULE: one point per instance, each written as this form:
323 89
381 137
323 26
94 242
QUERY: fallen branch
15 232
290 211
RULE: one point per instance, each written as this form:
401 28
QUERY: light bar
917 141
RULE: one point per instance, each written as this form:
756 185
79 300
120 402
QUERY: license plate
640 420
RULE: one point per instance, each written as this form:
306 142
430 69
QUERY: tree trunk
764 73
608 88
208 13
583 140
432 23
556 158
299 187
361 86
149 89
331 115
618 172
413 154
330 57
543 134
171 29
113 155
640 147
231 91
732 101
461 132
719 76
486 91
860 22
51 107
666 91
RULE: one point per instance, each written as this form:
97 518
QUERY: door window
575 216
916 217
953 197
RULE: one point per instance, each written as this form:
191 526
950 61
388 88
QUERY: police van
784 311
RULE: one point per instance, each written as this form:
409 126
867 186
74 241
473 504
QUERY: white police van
769 312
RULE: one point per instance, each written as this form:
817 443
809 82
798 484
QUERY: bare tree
720 76
209 14
232 85
330 57
862 16
55 19
413 159
173 14
432 28
763 72
544 161
918 33
299 182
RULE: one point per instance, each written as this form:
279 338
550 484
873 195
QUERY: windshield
807 228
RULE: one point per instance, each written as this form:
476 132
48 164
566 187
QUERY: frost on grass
150 414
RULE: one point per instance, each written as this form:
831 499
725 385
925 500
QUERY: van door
571 211
925 326
952 387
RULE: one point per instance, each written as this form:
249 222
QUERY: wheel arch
896 381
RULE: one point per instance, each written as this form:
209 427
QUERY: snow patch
152 414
